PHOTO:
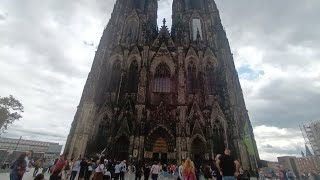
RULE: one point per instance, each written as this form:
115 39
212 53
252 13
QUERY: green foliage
10 109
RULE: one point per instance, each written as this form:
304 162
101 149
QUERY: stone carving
135 121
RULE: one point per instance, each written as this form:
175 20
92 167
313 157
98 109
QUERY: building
289 163
10 149
153 94
308 164
270 169
311 134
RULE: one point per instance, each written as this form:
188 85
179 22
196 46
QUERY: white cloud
44 62
274 142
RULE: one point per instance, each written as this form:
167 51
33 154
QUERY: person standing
146 171
28 158
67 170
123 169
18 168
155 170
228 166
217 172
75 169
188 171
38 164
57 170
207 172
138 171
180 169
117 171
83 169
99 171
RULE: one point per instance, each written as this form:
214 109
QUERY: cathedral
159 94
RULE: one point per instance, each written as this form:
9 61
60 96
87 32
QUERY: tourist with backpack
18 168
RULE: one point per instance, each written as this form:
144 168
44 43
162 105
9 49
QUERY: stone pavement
28 176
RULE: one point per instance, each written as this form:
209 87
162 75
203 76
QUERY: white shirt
117 168
100 168
155 169
107 173
180 171
76 166
123 167
27 161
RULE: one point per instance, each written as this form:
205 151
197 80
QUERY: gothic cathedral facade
160 94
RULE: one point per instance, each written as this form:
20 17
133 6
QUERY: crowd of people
225 167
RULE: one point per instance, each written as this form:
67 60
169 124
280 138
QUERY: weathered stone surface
187 102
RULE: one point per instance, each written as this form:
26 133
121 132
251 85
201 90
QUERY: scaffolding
311 135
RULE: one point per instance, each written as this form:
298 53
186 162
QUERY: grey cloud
42 69
288 34
268 146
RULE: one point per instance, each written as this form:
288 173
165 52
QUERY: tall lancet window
192 78
162 79
133 77
115 76
210 72
131 31
196 29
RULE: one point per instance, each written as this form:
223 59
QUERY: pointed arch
121 148
162 79
133 77
198 148
160 132
191 78
115 76
211 78
131 28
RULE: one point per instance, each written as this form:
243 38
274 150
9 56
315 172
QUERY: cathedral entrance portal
160 150
122 148
198 150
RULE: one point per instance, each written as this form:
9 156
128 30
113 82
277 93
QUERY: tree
10 109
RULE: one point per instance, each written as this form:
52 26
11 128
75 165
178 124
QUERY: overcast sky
47 48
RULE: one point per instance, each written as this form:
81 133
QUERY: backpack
19 167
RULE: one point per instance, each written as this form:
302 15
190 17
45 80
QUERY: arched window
162 79
133 78
115 76
192 78
210 72
131 31
196 29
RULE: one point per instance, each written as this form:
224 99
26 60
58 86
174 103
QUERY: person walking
57 170
227 166
155 170
188 171
18 168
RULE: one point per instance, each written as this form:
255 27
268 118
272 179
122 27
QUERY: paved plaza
28 176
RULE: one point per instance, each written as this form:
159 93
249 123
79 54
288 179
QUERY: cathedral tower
153 94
